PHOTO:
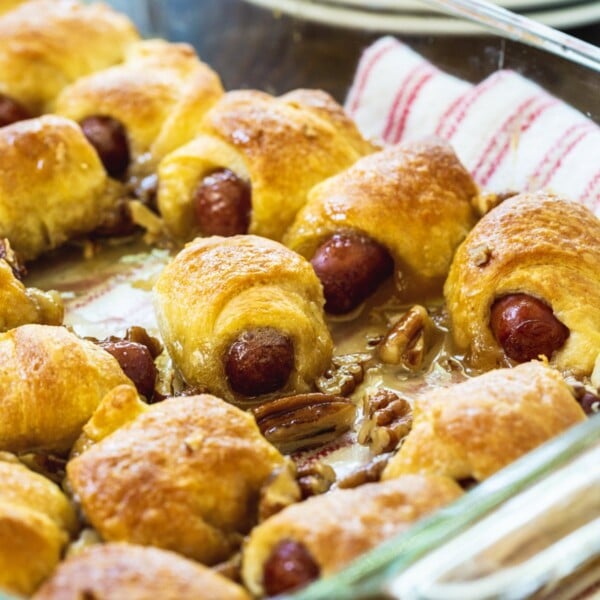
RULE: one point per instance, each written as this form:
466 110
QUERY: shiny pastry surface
535 245
280 147
338 526
115 571
413 200
243 317
161 89
53 186
183 475
51 382
47 44
36 521
473 429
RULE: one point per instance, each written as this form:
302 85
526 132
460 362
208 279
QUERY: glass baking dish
475 547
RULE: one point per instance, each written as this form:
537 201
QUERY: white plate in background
376 15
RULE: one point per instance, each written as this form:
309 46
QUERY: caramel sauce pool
106 288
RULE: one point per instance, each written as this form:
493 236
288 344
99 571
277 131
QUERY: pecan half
345 374
369 473
305 420
407 341
314 478
388 418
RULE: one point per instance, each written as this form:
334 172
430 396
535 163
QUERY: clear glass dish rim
362 578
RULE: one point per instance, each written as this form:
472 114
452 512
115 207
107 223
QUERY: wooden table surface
252 47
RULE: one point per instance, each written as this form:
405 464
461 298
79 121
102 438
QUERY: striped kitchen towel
510 133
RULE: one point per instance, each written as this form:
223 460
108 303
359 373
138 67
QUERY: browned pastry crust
475 428
341 525
52 185
218 287
414 199
536 244
47 44
50 384
161 89
116 571
282 146
20 305
185 475
36 521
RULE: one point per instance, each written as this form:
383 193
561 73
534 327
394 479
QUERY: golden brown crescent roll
253 163
116 571
184 475
50 384
475 428
243 317
404 210
526 282
20 305
161 89
36 521
324 533
52 185
47 44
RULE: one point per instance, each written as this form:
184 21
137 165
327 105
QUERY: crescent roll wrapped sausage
402 210
20 305
526 282
52 185
50 384
47 44
254 162
324 533
184 475
160 90
475 428
243 317
116 570
36 521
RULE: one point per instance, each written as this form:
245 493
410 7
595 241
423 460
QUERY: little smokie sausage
222 204
12 111
259 361
289 566
136 362
351 266
526 328
109 138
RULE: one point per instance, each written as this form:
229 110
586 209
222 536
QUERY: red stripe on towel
404 88
409 103
364 74
464 103
560 159
523 116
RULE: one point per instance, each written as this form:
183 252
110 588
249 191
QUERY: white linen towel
510 133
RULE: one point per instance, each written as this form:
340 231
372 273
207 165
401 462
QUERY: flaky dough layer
161 89
282 146
184 475
36 520
475 428
217 288
47 44
414 199
343 524
116 571
53 186
535 244
50 384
